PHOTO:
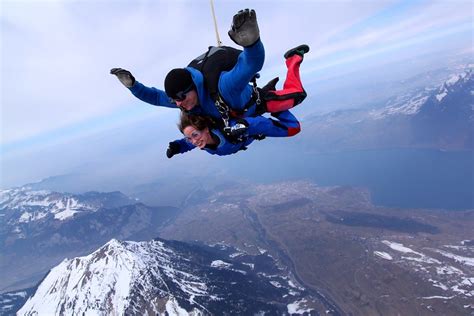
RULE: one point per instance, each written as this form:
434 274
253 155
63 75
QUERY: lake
407 178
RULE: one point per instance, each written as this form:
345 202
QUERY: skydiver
204 133
185 86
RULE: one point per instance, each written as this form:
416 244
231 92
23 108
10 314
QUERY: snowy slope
24 205
412 103
44 227
105 279
438 117
10 302
35 205
158 277
453 273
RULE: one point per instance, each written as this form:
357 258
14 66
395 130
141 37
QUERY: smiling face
199 138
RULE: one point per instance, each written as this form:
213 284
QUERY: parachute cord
219 43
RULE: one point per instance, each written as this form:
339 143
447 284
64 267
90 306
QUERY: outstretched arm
149 95
152 95
233 85
179 146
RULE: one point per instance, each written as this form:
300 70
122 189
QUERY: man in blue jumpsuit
185 86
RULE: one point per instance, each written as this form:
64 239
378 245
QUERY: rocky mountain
331 246
172 278
440 117
453 94
25 205
47 226
11 302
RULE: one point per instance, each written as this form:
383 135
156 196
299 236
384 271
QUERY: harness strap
223 109
256 92
227 112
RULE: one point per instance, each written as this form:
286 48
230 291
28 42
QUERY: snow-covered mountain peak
25 205
114 244
453 79
413 102
452 83
164 277
31 205
107 278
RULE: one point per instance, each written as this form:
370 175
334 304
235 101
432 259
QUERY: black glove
244 29
238 132
173 149
125 76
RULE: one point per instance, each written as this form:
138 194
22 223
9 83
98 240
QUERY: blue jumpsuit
233 86
286 125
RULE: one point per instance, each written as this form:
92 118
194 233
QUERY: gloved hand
173 149
125 76
238 132
244 29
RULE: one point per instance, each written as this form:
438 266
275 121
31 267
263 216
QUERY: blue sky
56 55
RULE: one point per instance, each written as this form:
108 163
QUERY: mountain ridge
159 276
439 117
43 237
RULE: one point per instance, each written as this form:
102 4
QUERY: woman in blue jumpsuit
200 131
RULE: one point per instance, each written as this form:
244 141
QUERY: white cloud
416 22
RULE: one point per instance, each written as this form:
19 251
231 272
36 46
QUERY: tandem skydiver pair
221 112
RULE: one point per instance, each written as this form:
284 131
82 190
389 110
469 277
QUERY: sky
56 90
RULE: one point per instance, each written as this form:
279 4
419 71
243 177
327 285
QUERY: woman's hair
198 121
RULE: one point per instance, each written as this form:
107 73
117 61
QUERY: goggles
181 95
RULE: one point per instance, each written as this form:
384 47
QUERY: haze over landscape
369 210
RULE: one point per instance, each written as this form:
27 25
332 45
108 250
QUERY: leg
289 121
286 125
293 81
293 92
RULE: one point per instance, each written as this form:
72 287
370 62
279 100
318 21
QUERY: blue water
406 178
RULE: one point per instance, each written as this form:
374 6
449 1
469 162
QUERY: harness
222 138
211 64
